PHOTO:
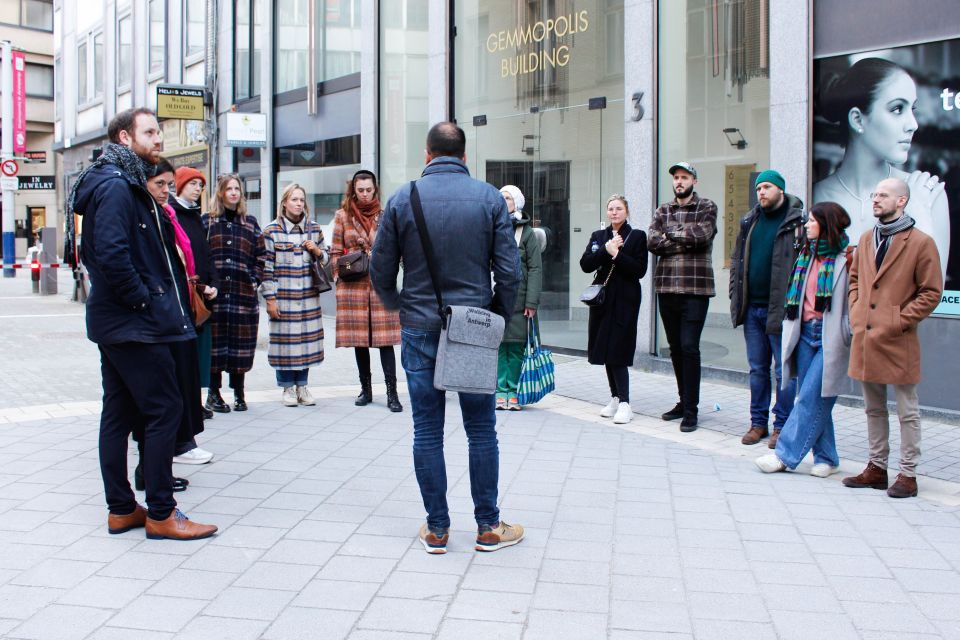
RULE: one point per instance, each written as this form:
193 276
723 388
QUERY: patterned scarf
811 251
365 217
883 232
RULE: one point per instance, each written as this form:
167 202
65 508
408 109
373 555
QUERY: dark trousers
388 360
236 381
619 380
683 317
139 384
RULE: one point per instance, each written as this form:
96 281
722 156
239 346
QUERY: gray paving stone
648 589
721 606
336 594
253 604
158 613
357 569
428 586
62 622
190 583
453 629
226 559
506 579
395 614
60 574
565 625
725 630
650 617
572 598
492 606
298 623
105 593
207 627
889 617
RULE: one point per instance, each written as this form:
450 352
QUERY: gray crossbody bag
470 336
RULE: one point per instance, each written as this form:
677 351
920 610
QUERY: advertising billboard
893 112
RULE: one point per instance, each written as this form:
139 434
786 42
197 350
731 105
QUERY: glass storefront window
525 74
714 75
322 168
403 94
293 44
337 47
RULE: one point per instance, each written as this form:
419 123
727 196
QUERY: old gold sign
183 103
550 30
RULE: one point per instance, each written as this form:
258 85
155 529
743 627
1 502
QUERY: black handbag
353 266
595 294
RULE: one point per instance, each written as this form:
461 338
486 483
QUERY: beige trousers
878 425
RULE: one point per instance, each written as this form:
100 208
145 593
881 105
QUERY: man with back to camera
767 246
137 308
469 226
895 282
681 236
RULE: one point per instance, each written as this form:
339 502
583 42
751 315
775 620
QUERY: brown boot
773 439
133 520
178 527
755 435
872 477
904 487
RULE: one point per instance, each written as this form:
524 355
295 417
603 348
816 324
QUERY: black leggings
388 360
236 380
619 380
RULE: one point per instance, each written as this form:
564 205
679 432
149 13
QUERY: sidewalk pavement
636 531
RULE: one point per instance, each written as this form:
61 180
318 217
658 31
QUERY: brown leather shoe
873 477
773 439
904 487
121 524
178 527
755 435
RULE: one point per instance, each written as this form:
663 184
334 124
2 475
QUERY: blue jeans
292 377
761 348
418 354
810 425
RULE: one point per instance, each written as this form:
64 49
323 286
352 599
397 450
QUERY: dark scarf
824 294
123 158
883 232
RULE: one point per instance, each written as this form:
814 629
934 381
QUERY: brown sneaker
434 542
121 524
503 535
178 527
872 477
773 439
904 487
755 435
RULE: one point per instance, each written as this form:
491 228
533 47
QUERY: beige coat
886 307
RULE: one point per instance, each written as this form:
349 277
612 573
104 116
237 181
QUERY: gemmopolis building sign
551 29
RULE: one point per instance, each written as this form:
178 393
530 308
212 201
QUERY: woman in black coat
612 331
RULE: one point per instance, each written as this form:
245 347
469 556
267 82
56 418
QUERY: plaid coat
362 320
235 248
296 338
681 235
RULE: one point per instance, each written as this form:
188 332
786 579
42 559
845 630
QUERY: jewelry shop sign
246 129
180 102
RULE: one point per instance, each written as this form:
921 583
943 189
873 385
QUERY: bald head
889 199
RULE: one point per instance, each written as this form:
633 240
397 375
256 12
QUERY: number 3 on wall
638 106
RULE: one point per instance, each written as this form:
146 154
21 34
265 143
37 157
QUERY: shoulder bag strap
421 225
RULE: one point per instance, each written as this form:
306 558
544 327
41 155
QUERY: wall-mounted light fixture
529 144
735 138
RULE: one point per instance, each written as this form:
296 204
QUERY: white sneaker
290 397
304 397
823 470
194 456
770 463
611 408
624 414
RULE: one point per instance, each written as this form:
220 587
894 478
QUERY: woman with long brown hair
233 237
362 320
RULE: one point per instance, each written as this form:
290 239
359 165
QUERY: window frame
124 87
19 23
92 98
190 59
53 81
161 72
251 44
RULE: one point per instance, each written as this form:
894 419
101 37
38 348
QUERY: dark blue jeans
761 349
810 425
292 377
418 354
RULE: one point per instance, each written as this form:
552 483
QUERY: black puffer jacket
787 245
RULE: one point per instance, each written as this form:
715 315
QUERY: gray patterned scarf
883 232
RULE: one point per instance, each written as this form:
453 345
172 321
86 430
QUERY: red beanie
183 175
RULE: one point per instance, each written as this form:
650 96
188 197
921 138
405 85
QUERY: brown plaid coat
362 320
681 236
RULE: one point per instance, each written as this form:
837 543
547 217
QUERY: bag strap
533 336
421 225
610 273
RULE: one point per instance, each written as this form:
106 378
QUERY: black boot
239 404
366 392
179 484
393 402
215 402
207 413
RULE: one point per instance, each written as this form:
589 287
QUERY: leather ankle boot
393 401
872 477
904 487
215 402
366 392
239 403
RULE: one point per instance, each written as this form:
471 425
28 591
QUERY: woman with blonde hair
291 244
362 320
233 239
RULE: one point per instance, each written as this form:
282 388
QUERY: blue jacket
138 285
470 230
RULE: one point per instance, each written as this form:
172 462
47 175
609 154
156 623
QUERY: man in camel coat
895 282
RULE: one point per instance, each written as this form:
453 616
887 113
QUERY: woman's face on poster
888 128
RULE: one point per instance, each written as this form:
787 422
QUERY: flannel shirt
682 238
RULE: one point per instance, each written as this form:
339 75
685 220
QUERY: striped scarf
811 251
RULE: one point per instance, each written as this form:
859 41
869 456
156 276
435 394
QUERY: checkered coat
235 248
296 338
362 320
681 235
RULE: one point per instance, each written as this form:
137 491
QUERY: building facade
28 25
571 100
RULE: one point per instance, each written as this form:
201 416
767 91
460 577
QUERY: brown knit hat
183 175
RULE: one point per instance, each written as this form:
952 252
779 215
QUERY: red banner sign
19 103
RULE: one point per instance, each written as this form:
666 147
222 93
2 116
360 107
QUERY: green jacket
531 281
